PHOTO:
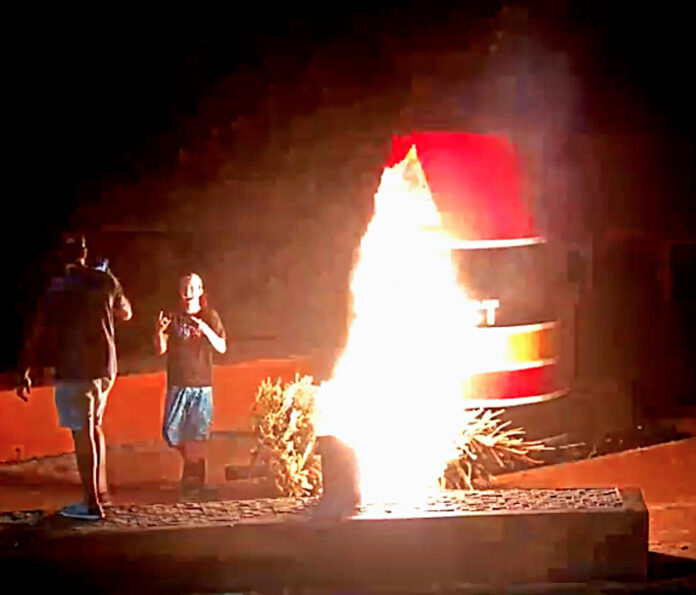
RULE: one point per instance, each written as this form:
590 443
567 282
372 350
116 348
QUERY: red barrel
477 183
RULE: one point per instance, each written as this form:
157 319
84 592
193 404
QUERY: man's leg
102 485
104 387
86 454
75 401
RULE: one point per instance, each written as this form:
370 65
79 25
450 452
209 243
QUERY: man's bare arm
122 309
28 352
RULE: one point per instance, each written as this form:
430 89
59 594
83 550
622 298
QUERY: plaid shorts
81 402
188 412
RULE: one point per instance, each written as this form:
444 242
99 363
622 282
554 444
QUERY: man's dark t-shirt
190 359
80 323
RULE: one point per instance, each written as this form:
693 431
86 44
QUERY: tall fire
452 321
395 396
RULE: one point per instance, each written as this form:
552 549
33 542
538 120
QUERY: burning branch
486 445
283 422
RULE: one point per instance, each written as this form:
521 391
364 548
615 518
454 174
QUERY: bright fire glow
396 392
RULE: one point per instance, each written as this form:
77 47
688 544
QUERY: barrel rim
520 366
514 401
513 329
460 244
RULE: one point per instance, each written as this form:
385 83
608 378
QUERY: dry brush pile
487 444
283 423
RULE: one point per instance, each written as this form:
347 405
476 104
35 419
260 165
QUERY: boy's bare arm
161 332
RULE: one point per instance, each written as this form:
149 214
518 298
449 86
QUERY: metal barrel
518 339
479 187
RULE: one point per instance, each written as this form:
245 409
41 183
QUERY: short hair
73 247
191 275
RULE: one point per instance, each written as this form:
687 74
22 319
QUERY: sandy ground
137 474
665 473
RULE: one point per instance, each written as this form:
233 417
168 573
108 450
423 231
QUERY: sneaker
82 512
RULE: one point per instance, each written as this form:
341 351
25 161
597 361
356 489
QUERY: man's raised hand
24 388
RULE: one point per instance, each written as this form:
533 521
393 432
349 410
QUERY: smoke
511 78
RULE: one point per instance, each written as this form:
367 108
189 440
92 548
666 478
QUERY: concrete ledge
533 538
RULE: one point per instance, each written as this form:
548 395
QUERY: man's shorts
81 402
188 412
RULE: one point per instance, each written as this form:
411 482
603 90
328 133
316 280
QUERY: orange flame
396 394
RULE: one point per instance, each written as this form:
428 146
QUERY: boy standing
189 338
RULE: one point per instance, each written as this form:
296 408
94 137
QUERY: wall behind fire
134 410
275 242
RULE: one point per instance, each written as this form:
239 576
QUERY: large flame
396 395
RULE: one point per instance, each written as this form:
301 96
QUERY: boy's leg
195 464
186 427
194 471
198 430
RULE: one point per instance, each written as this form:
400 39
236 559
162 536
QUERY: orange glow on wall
134 410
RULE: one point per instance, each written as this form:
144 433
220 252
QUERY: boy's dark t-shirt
190 358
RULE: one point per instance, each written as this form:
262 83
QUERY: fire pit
493 537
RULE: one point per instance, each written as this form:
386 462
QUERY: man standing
76 334
189 338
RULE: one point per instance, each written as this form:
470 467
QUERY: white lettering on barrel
487 310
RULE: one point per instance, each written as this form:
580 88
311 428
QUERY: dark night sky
94 95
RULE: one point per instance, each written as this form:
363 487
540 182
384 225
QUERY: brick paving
31 526
264 510
134 517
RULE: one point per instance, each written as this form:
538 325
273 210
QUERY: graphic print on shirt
185 329
190 359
